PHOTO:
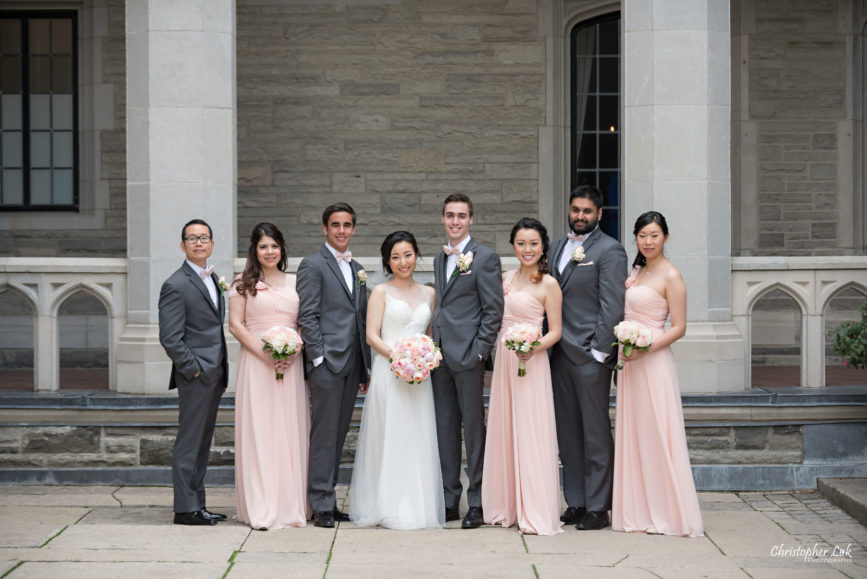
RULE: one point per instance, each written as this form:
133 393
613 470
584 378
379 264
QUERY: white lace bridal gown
396 480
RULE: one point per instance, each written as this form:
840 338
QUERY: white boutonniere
465 260
223 285
577 255
362 277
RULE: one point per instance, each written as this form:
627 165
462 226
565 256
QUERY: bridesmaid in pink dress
654 491
521 475
272 417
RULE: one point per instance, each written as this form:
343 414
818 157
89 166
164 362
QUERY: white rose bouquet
632 336
282 342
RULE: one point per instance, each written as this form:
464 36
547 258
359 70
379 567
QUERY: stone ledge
707 477
850 494
763 397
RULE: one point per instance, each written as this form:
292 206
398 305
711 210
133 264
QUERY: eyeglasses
194 238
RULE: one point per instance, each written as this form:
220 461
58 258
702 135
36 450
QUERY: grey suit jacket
593 297
469 308
332 320
191 328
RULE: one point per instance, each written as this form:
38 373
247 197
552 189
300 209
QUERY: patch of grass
714 544
12 569
52 537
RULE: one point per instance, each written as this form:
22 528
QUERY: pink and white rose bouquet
632 336
522 338
414 357
282 342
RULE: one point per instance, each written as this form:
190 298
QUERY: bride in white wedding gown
396 480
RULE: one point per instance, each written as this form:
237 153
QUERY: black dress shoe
474 518
212 516
593 521
340 516
324 519
452 514
573 515
194 518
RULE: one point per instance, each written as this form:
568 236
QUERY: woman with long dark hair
654 491
396 480
521 478
272 415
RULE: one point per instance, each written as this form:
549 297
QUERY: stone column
676 154
181 160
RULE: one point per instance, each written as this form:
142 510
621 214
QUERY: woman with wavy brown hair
272 415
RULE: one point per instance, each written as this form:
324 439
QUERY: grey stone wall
797 88
83 446
388 107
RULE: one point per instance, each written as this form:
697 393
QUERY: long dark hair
530 223
253 270
391 240
643 221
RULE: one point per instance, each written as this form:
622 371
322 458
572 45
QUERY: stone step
850 494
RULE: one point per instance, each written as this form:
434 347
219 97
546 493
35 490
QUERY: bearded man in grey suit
333 310
191 312
591 269
469 309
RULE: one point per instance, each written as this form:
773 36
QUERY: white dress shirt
345 268
452 260
208 281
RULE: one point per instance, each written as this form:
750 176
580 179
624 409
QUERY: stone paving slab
199 543
48 496
307 539
78 532
218 498
297 569
139 569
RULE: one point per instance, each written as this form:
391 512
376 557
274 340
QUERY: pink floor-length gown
654 491
272 421
521 476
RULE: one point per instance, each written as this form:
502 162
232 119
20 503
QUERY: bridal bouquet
632 336
413 358
282 343
521 338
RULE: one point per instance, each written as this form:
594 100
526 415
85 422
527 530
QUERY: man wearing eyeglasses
191 332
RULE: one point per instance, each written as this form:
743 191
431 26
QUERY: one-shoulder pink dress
654 491
521 475
272 421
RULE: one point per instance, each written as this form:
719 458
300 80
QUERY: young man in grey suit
191 312
332 319
591 269
468 313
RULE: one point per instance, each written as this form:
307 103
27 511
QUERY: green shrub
849 339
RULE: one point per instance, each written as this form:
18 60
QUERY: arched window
595 71
16 340
82 322
776 330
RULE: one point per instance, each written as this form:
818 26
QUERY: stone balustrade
811 282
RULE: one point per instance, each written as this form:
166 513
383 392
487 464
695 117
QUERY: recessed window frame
27 205
604 174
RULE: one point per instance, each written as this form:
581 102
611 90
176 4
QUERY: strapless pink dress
654 491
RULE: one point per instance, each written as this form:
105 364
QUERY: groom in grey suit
468 313
591 269
332 318
191 312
